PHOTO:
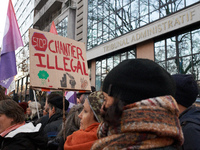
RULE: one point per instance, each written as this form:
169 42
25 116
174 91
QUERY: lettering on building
149 32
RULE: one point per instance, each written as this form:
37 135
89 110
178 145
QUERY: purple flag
11 41
71 97
6 83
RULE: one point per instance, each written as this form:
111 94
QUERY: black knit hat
137 79
186 89
57 101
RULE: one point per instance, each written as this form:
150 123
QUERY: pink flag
53 28
11 41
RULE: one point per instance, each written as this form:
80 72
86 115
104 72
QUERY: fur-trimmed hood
26 136
27 128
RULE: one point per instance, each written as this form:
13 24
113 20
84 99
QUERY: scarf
147 124
11 128
82 139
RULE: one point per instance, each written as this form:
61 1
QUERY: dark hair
113 114
78 95
8 97
57 110
2 94
93 88
12 110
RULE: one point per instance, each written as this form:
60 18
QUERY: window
180 53
62 27
104 66
108 19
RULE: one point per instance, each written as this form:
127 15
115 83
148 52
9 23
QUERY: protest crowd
140 106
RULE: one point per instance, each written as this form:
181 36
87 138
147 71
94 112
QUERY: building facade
24 11
166 32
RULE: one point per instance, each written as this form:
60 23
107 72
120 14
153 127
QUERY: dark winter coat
190 122
26 137
43 120
53 126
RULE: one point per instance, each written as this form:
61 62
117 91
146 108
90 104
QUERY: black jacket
43 120
26 137
190 122
53 126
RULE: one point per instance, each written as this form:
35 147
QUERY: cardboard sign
57 62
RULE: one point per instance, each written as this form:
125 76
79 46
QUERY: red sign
39 41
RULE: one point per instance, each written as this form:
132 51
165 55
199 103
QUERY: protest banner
57 62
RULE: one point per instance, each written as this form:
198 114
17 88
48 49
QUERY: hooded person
89 122
186 94
139 111
15 133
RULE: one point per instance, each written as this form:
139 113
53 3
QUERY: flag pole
36 104
64 117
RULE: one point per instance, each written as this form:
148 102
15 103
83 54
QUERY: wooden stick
64 117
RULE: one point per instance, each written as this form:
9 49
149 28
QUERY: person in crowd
16 97
27 115
14 133
44 119
82 98
189 115
139 111
45 111
72 123
90 118
81 95
54 124
33 111
24 105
